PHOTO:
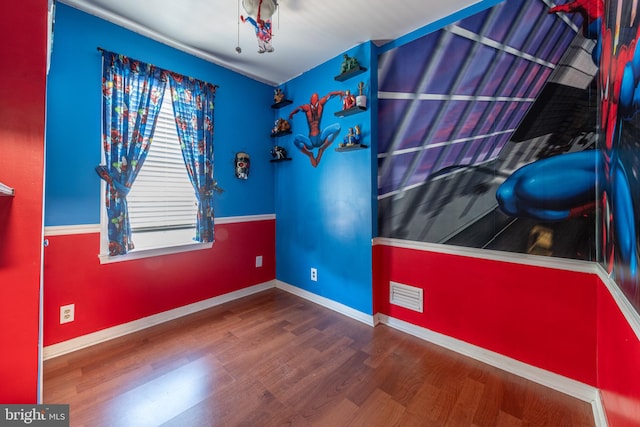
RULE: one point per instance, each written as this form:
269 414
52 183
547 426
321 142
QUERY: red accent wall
618 363
540 316
22 115
107 295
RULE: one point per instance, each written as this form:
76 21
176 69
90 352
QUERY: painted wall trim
245 218
67 230
367 319
628 311
599 414
524 259
549 379
84 341
150 253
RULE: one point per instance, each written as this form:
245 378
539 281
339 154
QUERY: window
162 204
157 168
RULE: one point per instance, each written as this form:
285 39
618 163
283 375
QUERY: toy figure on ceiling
317 138
563 186
260 13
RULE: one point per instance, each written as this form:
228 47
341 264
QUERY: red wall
22 113
112 294
540 316
618 363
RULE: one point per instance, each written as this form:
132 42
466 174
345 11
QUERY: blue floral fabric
193 105
132 93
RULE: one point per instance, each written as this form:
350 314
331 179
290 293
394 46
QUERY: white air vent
406 296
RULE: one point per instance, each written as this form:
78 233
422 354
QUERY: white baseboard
367 319
546 378
487 254
599 414
83 341
549 379
626 308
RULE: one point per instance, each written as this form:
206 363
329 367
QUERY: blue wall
324 215
243 120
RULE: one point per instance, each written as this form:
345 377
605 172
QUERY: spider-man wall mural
516 125
562 186
620 102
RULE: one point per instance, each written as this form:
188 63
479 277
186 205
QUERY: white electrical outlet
314 274
259 261
67 313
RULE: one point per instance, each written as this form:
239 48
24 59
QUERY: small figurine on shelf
348 101
349 138
278 95
278 153
352 138
243 163
361 99
281 125
349 63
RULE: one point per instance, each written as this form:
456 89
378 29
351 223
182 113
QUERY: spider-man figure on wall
563 186
316 138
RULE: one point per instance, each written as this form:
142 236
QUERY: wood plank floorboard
274 359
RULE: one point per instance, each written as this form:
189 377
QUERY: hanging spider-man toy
260 12
562 186
263 33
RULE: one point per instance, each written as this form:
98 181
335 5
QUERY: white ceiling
306 33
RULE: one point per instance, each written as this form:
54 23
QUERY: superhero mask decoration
242 162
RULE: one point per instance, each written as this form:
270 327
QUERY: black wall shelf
351 73
280 160
352 147
282 103
278 134
350 111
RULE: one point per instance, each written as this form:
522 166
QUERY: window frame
172 245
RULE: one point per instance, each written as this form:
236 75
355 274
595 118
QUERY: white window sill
148 253
157 244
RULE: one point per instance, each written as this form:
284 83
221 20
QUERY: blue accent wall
243 118
324 215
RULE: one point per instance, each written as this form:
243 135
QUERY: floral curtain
193 106
132 93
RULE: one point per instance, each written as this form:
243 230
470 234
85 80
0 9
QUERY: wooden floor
274 359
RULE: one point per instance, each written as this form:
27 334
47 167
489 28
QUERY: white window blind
162 197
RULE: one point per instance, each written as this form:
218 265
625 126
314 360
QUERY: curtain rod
101 49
